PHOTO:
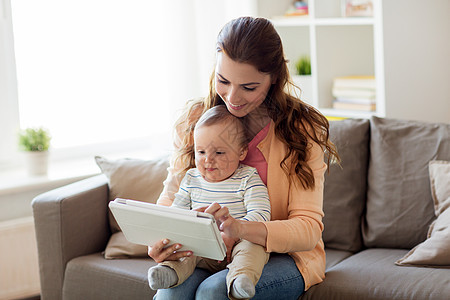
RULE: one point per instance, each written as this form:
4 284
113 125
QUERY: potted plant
35 143
303 79
303 65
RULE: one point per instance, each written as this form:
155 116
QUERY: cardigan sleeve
175 174
302 229
171 184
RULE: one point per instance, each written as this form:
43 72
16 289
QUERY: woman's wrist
254 232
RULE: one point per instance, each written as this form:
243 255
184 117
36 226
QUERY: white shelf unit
337 46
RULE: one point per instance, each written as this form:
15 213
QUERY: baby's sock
161 277
242 287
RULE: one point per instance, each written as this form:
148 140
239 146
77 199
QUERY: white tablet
145 224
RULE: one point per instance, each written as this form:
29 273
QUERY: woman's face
241 86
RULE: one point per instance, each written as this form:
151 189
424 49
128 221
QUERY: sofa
387 220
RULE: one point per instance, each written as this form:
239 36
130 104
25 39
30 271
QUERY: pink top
255 157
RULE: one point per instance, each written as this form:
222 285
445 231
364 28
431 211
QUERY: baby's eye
220 152
201 152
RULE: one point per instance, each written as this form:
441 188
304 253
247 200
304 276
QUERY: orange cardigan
296 224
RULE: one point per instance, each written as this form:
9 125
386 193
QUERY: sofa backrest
381 197
399 202
346 185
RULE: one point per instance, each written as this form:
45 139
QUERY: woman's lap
280 277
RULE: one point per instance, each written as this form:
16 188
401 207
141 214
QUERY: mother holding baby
287 141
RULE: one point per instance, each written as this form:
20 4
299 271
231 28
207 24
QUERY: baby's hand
229 242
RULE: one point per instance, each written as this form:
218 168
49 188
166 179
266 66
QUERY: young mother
288 139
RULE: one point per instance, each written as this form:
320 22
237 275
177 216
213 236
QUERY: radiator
19 270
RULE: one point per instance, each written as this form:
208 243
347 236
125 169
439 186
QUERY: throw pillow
346 185
399 207
134 179
435 250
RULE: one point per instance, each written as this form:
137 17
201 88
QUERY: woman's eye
222 81
249 89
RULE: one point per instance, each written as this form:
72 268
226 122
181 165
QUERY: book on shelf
355 82
298 8
334 118
353 93
354 106
356 100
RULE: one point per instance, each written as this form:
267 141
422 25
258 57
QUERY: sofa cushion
345 188
92 277
372 274
399 205
335 256
134 179
435 250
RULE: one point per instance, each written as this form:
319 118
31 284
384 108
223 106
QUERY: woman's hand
161 252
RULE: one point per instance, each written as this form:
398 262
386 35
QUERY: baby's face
217 151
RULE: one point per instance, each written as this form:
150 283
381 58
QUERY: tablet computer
146 223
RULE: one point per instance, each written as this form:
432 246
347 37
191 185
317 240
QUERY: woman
287 143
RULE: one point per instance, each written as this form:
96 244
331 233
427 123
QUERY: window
103 72
96 72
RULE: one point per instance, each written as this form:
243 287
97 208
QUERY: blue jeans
280 276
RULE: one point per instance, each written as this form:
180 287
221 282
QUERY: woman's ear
243 153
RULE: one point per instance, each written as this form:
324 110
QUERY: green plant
34 139
303 65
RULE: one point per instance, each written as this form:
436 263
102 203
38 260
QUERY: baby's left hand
229 242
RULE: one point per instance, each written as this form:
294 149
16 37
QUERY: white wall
417 59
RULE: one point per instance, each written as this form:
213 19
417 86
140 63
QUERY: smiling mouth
236 107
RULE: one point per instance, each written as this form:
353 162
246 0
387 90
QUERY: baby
220 144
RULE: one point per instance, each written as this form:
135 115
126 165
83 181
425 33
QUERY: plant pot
37 162
304 82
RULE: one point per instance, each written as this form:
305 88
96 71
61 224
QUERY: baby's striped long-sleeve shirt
244 194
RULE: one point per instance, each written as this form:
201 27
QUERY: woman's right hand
161 252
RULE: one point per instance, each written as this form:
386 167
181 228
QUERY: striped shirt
244 194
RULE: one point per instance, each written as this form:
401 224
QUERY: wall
19 272
417 60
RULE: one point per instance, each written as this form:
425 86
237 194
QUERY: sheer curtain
97 71
9 110
111 72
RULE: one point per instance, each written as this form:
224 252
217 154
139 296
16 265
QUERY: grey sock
161 277
242 287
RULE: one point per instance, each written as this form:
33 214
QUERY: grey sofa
377 207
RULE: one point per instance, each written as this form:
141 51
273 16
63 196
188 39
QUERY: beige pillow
435 250
134 179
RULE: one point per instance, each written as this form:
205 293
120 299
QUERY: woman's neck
256 120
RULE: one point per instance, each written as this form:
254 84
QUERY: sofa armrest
70 221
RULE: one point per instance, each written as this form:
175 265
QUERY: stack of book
354 93
299 8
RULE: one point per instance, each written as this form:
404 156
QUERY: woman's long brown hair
256 42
